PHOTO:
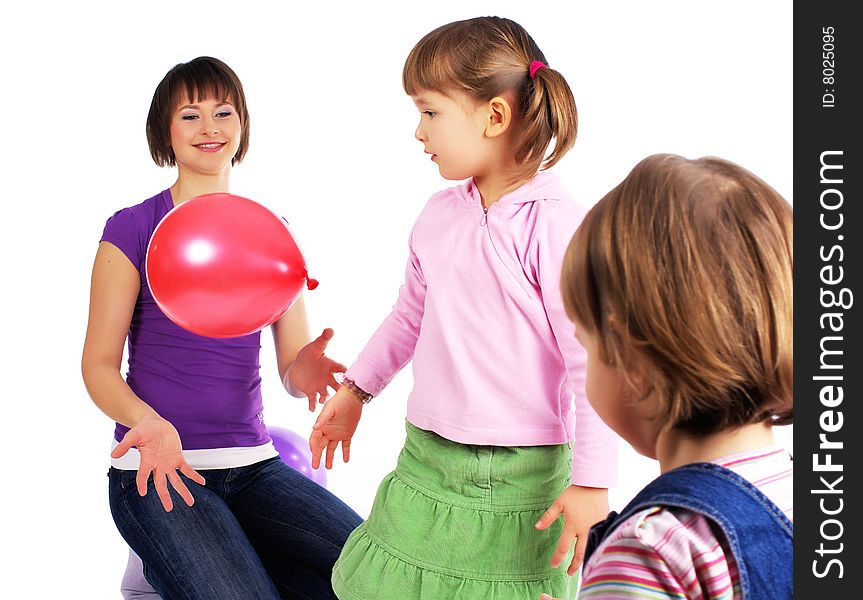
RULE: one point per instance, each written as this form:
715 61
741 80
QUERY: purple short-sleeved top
209 389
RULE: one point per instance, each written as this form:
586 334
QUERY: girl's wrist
356 391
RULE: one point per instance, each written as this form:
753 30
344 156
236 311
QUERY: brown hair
683 272
202 77
488 57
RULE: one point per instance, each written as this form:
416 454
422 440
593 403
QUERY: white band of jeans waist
209 458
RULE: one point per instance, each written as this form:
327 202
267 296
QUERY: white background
332 149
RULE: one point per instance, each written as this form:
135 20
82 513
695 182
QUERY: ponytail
548 112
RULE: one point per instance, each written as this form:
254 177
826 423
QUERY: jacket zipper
483 223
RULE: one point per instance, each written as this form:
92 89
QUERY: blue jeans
258 532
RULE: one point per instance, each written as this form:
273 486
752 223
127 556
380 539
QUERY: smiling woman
191 404
202 130
203 98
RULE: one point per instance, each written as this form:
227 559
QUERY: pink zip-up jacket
495 360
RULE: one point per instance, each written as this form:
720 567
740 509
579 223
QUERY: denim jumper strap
758 532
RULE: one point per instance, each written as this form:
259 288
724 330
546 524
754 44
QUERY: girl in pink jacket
492 437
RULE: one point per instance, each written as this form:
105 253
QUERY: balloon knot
311 283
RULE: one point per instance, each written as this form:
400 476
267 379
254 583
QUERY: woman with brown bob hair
679 282
250 527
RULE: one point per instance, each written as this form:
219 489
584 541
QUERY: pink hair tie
536 66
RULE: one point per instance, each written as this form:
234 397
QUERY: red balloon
224 266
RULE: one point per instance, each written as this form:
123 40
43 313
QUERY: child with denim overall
680 288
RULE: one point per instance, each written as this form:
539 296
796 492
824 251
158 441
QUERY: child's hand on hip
337 423
581 507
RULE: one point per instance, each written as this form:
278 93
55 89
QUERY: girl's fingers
578 557
549 516
324 417
346 450
567 537
316 445
331 451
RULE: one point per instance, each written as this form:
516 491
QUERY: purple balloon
294 452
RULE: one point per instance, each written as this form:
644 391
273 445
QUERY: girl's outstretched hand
162 454
312 371
337 423
581 507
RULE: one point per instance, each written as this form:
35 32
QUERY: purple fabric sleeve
123 231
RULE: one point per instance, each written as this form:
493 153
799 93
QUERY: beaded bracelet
362 395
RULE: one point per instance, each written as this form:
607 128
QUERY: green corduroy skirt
457 521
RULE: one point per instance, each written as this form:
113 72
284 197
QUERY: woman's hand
337 423
162 454
581 507
312 371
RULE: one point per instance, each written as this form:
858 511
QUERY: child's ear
641 390
637 378
631 361
498 117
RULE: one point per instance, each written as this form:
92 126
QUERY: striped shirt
676 553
